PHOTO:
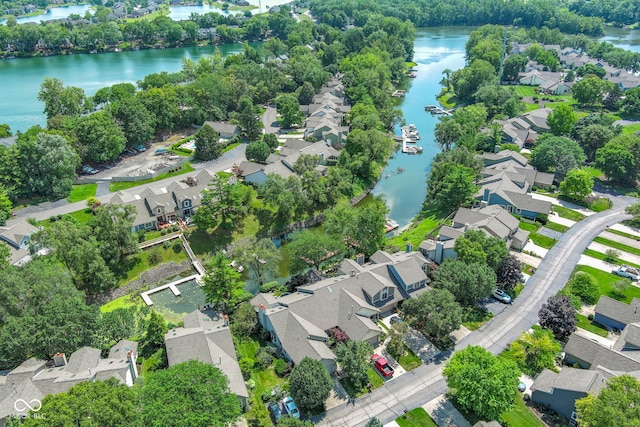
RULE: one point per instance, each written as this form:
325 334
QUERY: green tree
558 315
169 397
248 118
577 184
435 313
618 160
635 211
476 246
154 335
447 133
289 110
362 229
585 286
616 404
5 130
5 256
535 350
271 140
557 153
287 421
244 321
310 384
222 286
100 138
593 137
482 383
631 102
222 203
92 403
5 206
60 100
49 164
561 120
207 144
308 250
590 90
138 123
354 358
306 93
119 324
257 151
261 256
111 227
469 283
466 81
456 188
397 334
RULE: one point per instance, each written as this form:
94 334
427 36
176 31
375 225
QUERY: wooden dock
173 286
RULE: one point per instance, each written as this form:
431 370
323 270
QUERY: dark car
274 410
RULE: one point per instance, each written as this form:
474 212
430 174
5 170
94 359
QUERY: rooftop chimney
360 259
59 359
352 273
409 247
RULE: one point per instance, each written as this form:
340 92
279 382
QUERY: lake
54 13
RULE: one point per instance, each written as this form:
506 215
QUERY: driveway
554 217
425 383
563 203
624 256
626 229
269 120
620 239
544 231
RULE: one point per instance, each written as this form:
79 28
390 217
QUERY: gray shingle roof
571 379
619 311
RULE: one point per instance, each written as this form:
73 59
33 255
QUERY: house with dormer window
353 301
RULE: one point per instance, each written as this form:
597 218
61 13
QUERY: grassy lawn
417 232
139 263
374 378
556 227
117 186
593 172
81 217
82 192
542 241
531 227
605 283
591 326
568 213
521 415
601 256
409 361
416 418
617 245
203 242
122 302
523 90
631 129
230 147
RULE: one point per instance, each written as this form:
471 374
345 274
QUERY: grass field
416 418
374 378
568 213
538 239
82 192
521 415
592 171
617 245
524 90
81 217
605 283
631 129
117 186
140 261
417 232
122 302
591 326
556 227
409 361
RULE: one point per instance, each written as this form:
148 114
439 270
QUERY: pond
174 308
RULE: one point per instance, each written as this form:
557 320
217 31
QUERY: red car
381 364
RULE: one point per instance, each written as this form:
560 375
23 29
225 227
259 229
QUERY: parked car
141 148
382 366
502 296
290 407
395 319
89 170
628 272
274 410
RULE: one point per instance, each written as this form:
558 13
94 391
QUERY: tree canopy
310 384
558 315
556 153
469 283
435 313
617 404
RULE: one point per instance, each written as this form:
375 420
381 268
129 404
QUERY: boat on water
390 225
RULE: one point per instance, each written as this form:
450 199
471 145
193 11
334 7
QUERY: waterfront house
353 301
206 337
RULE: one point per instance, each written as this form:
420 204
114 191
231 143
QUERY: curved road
425 383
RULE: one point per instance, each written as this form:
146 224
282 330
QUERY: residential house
614 314
515 164
17 237
353 301
156 206
225 130
492 220
556 87
622 356
559 391
35 379
537 77
206 337
525 128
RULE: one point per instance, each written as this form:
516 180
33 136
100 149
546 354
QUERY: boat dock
172 286
399 93
434 109
390 225
410 135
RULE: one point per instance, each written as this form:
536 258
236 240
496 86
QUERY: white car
502 296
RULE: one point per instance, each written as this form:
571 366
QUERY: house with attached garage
353 301
616 315
225 130
206 337
35 379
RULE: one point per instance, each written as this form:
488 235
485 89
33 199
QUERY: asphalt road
425 383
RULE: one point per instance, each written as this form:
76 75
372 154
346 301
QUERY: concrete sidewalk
554 217
535 249
626 229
